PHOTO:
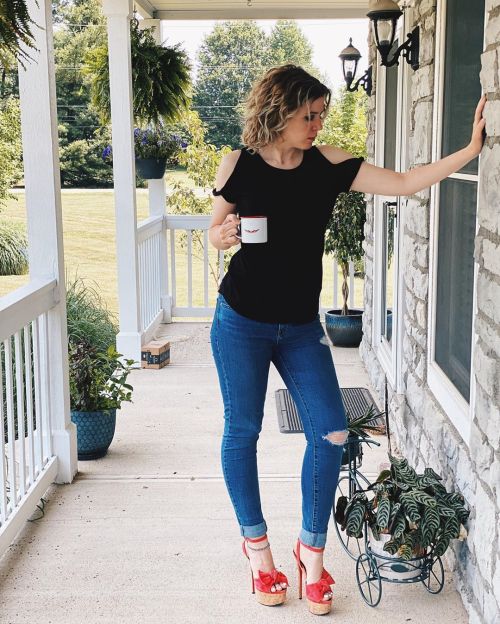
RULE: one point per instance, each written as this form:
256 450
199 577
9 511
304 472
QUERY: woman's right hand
228 232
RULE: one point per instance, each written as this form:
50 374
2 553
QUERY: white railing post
118 14
43 206
157 206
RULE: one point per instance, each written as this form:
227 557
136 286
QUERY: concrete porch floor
147 534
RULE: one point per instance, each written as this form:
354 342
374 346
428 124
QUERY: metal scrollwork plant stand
373 565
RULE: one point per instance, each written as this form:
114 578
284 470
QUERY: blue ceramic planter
344 331
151 168
95 431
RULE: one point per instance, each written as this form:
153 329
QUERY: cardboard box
155 354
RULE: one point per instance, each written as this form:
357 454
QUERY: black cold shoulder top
280 281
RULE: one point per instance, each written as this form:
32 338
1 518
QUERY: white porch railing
151 247
27 462
190 270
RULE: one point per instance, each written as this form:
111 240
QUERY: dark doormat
356 403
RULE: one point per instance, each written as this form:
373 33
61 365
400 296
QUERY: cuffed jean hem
317 540
255 530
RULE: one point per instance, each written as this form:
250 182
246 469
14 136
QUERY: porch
147 533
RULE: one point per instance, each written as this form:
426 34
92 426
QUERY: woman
267 309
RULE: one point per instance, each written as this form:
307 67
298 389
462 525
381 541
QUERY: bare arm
224 223
380 181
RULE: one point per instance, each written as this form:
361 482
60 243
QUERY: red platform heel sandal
261 586
319 594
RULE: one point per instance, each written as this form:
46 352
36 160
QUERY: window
456 203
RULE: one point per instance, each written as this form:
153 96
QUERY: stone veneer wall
421 429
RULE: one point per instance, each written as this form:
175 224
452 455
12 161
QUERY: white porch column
43 206
157 201
118 13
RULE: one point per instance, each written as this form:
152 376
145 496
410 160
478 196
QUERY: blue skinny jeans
243 350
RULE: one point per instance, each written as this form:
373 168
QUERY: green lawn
90 252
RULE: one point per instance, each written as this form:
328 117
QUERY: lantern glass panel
384 31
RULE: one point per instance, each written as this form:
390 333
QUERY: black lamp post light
350 57
384 15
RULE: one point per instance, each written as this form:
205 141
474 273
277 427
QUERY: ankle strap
254 540
318 550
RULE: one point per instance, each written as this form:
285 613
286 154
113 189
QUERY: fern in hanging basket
161 80
16 35
414 509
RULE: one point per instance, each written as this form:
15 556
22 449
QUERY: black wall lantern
384 15
350 57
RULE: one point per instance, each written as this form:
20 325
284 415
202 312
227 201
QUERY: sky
328 38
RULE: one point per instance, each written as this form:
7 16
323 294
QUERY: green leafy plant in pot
97 373
360 427
98 387
155 148
408 516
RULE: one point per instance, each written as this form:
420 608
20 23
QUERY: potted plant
98 387
97 373
360 427
344 240
161 80
155 148
408 516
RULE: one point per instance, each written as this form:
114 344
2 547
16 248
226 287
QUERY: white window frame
390 356
459 411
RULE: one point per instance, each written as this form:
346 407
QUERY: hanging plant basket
161 79
151 168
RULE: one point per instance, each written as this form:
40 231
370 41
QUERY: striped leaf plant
416 510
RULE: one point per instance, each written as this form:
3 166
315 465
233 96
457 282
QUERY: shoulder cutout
226 168
334 154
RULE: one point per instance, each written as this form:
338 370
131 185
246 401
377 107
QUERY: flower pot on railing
151 168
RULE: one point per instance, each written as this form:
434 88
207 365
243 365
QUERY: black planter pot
344 331
94 432
151 168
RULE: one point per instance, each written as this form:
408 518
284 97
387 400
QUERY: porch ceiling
258 9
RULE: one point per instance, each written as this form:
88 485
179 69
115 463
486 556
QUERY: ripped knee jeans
243 350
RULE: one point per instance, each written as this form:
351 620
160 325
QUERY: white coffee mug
253 229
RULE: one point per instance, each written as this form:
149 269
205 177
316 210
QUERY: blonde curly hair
274 99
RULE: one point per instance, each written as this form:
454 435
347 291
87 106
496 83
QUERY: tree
345 125
10 147
13 243
201 160
82 27
230 59
288 44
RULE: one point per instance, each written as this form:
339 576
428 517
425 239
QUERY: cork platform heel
261 586
319 594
